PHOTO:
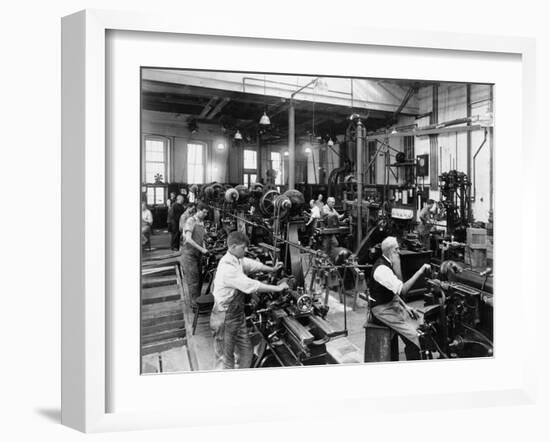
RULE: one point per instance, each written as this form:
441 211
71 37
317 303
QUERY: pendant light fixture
238 136
264 120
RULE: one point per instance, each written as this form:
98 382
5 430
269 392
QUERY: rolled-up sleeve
384 276
251 265
238 280
189 224
229 278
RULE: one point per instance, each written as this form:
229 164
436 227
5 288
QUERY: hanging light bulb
238 136
330 143
286 153
265 121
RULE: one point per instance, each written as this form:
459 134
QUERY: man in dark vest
174 213
387 289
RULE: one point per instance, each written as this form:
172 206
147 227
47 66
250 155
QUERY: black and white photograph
305 220
232 220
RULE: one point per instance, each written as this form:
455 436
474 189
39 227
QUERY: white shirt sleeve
230 277
147 217
383 275
251 265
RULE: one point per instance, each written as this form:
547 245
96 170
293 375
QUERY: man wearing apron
192 250
425 224
387 289
332 220
231 284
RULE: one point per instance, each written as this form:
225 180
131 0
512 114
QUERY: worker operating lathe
192 249
387 290
231 283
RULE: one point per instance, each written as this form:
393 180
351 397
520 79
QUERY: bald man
387 289
332 219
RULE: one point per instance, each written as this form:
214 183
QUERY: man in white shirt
315 214
314 217
146 224
231 283
332 220
387 289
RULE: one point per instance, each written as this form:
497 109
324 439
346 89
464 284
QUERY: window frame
203 160
166 145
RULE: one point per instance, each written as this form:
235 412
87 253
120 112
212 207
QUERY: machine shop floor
198 353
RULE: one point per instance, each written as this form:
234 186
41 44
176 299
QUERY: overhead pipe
330 93
347 94
412 90
292 137
474 170
469 146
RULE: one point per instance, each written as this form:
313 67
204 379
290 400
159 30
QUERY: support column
360 135
434 118
291 147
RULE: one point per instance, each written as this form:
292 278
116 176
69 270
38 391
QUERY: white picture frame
86 235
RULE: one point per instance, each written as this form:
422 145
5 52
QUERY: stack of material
163 334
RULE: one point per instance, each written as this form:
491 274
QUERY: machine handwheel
267 205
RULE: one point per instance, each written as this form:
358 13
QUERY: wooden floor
164 345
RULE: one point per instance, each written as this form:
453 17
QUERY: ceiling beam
182 90
208 107
218 108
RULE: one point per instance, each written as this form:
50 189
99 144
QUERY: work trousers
191 265
395 316
175 238
330 242
232 346
146 235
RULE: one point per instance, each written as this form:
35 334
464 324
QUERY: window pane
252 178
155 159
250 159
277 165
150 196
159 195
195 174
154 146
195 165
153 169
154 156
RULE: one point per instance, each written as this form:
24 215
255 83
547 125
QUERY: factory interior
366 205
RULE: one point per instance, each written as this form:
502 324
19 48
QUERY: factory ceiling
235 105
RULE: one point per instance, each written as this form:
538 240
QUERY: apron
232 345
394 315
191 263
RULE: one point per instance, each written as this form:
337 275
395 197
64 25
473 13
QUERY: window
195 163
250 161
277 165
249 178
155 196
156 159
